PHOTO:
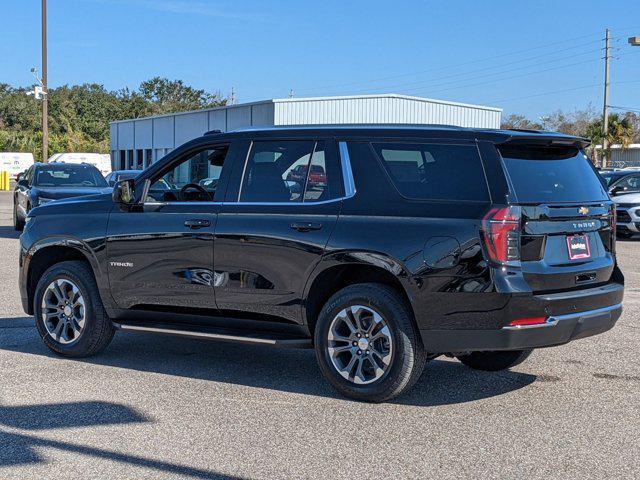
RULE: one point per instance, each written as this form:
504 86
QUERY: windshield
69 176
551 174
610 177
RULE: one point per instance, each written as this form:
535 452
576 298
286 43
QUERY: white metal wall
151 138
383 109
626 158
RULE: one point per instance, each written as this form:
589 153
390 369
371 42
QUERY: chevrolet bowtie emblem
583 211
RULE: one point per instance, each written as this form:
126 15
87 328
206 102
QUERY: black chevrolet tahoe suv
409 242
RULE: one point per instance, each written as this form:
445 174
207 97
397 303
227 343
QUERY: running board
219 334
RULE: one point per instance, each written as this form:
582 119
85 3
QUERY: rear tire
495 361
384 316
85 329
18 223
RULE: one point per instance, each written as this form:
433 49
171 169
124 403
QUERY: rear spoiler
540 138
548 141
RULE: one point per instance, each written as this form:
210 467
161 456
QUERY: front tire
366 344
495 361
69 313
18 223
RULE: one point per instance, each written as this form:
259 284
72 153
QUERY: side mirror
23 182
123 191
112 183
616 190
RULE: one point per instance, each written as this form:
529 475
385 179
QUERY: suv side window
434 171
193 179
285 171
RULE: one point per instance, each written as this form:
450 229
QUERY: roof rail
213 132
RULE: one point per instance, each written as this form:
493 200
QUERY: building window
123 160
139 159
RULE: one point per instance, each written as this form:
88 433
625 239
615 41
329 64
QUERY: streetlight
634 41
45 102
38 91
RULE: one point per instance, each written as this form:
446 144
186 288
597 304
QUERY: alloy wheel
63 311
360 344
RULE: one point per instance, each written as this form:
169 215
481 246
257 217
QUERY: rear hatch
566 219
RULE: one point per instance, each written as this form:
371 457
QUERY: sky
528 57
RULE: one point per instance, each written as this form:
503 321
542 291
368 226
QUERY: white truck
102 161
15 162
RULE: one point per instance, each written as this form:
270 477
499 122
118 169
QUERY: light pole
45 101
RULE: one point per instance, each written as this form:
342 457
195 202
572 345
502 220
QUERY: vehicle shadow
7 231
288 370
22 448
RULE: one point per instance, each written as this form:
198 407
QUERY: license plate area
578 247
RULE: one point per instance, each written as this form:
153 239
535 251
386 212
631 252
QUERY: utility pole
45 102
605 111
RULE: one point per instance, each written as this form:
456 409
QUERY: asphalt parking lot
157 407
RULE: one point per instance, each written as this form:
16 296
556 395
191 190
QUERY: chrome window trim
244 170
347 173
554 320
347 176
247 203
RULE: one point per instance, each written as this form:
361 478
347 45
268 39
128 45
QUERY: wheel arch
338 271
51 251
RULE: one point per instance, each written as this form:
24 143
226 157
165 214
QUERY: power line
513 76
559 91
627 109
380 79
526 74
421 82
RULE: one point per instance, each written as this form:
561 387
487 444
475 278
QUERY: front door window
194 179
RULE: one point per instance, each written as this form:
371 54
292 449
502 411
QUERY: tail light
501 229
614 224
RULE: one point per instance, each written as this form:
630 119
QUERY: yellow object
4 180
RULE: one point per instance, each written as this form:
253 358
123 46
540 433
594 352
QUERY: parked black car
44 182
478 244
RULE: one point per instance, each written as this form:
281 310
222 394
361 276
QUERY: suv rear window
551 174
434 172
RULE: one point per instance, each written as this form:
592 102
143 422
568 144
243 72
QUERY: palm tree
620 132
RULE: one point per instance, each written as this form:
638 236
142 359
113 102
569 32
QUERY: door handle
197 223
305 226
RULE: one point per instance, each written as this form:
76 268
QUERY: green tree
79 115
620 132
519 122
168 96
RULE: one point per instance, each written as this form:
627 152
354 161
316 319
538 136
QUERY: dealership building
137 143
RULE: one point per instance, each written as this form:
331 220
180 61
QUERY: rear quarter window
551 175
434 171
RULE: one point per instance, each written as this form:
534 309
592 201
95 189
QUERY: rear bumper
557 331
570 316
